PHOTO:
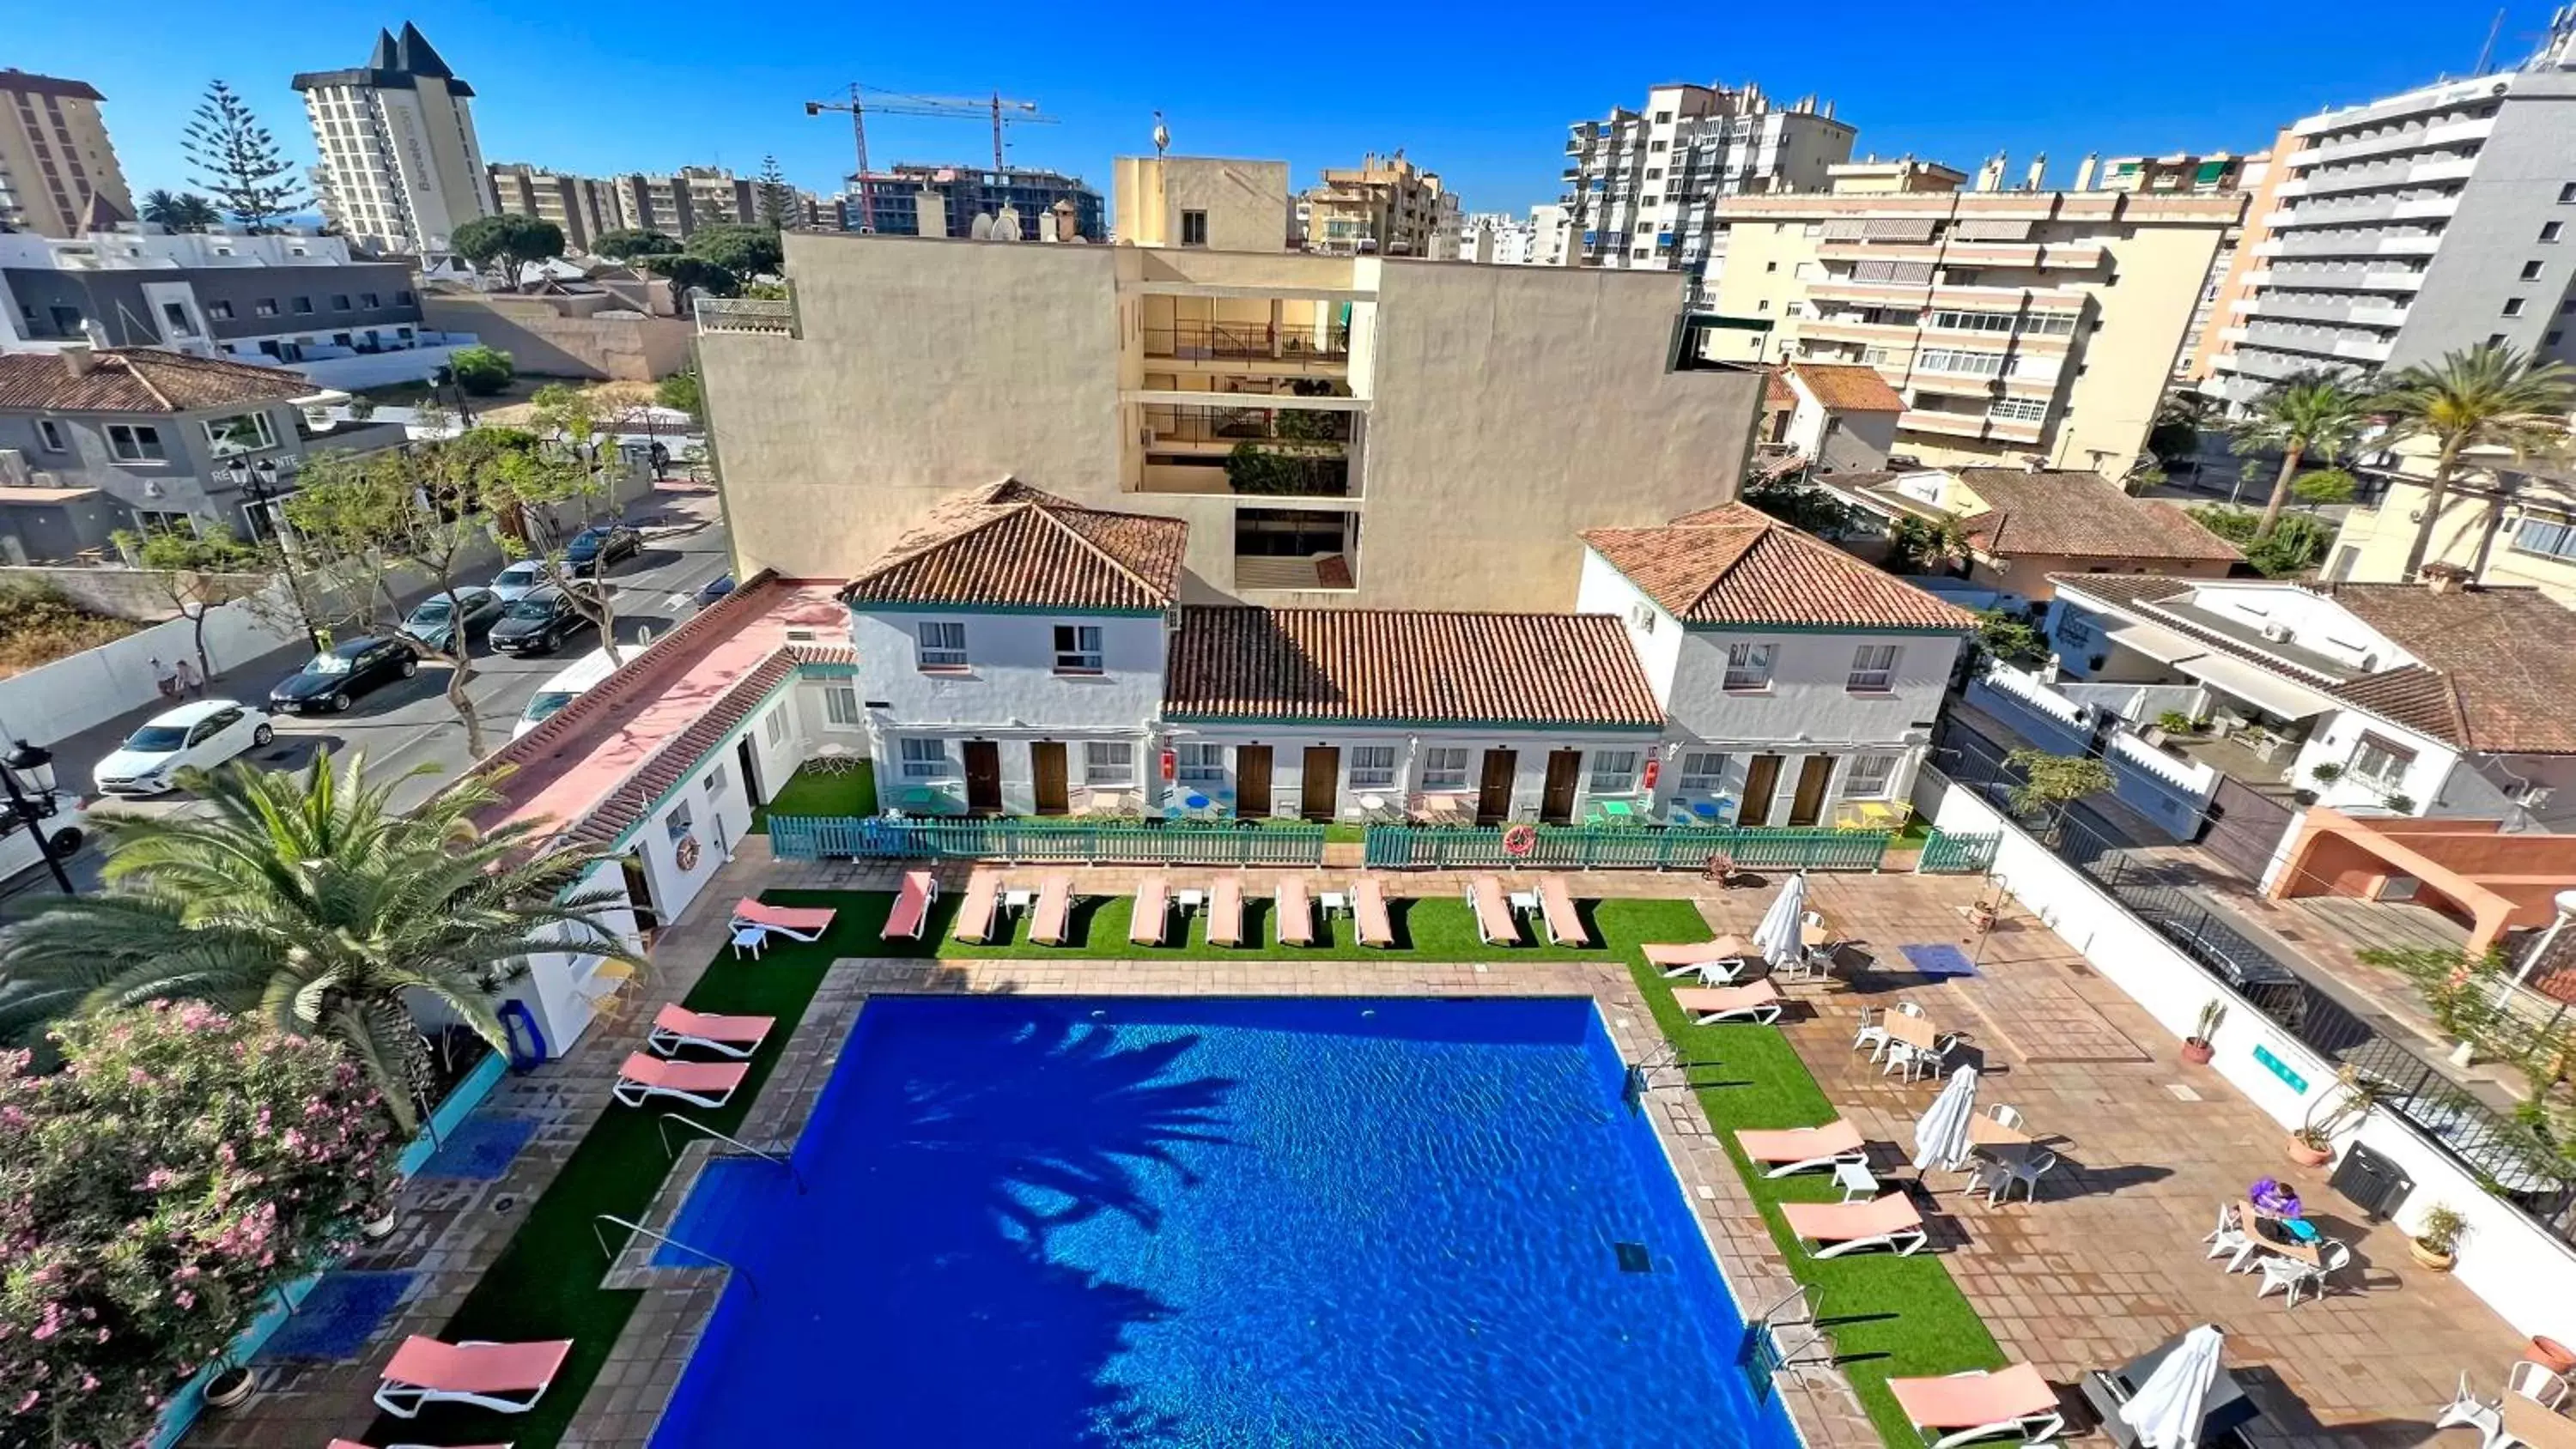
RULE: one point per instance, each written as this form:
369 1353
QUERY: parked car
714 589
595 549
538 623
333 679
568 684
199 736
520 579
431 625
65 828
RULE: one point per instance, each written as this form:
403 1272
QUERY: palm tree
309 899
2311 412
179 211
2488 396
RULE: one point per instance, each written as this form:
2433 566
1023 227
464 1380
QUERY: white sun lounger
1556 909
1837 1228
1803 1149
1494 923
2011 1403
1759 1001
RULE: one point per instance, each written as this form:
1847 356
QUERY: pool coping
626 1404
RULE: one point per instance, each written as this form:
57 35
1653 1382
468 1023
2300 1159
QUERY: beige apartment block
2020 326
1216 202
584 206
1434 436
2503 521
1386 207
55 156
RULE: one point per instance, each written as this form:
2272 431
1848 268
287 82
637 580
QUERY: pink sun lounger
703 1084
735 1036
504 1377
911 906
802 923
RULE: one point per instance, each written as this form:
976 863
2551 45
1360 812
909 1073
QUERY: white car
66 828
563 689
202 735
524 577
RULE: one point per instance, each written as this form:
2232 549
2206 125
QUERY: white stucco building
401 168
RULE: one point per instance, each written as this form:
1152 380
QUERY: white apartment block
1498 238
401 169
2411 227
1642 185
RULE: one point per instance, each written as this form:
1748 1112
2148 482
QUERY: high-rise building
55 157
2022 328
1498 238
2407 228
1641 185
401 168
1386 206
960 194
679 203
2183 173
584 206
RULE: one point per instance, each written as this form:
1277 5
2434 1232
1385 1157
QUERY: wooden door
1807 803
1319 787
1564 772
747 760
1252 781
983 777
1494 790
1046 772
1761 782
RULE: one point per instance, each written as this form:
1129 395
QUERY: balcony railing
746 314
1176 424
1297 347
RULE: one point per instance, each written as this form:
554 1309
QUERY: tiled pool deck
2105 1264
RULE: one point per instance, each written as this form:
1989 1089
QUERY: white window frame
130 449
1438 774
679 822
221 442
1748 666
939 645
1077 643
1703 772
49 436
775 727
1108 764
1612 772
1373 767
2396 755
1869 675
716 781
1198 762
1869 777
918 763
841 708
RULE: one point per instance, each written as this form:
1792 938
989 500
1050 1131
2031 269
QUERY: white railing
2031 690
2139 703
2187 775
746 314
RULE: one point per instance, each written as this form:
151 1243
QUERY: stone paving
2104 1265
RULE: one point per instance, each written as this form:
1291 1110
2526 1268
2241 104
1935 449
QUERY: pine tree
777 198
239 162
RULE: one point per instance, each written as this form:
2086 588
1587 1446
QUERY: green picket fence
1948 854
1397 847
817 837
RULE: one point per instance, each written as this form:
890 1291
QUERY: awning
2256 685
2157 642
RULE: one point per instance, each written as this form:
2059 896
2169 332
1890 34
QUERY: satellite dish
1006 224
982 229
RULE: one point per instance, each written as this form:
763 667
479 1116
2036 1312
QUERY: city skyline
655 107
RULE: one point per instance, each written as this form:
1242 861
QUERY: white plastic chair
2467 1409
2231 1238
2024 1170
2537 1384
2008 1116
2293 1274
1873 1031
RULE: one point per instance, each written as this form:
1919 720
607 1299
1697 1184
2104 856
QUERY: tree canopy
504 244
629 243
238 160
745 251
180 211
687 272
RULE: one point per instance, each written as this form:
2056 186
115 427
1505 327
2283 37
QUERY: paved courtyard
2105 1264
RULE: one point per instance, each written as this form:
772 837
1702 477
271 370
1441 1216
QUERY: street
409 724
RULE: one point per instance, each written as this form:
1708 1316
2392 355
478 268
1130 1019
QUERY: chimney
79 358
2038 170
2443 578
1990 177
2084 172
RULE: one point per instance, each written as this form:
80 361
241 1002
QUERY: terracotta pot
2552 1355
2306 1156
2197 1052
2438 1262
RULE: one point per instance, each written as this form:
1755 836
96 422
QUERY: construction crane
867 100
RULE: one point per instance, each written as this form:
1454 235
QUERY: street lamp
29 769
257 480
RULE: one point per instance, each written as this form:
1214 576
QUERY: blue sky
1482 94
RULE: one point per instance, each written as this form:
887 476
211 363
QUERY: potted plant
2196 1048
231 1387
2326 773
2176 722
2436 1243
2336 1108
2398 804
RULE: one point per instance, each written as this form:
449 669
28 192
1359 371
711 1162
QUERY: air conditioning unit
1641 617
2277 633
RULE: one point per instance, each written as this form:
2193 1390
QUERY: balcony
2411 138
1905 293
773 318
1168 425
2364 244
1276 348
2379 178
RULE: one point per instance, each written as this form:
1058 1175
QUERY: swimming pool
1038 1222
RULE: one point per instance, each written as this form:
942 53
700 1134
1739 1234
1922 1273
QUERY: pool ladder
1789 1338
638 1228
663 1129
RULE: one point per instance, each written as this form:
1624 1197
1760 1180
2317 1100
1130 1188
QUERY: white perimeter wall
96 685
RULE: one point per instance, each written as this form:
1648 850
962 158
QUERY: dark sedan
434 625
333 679
594 550
538 623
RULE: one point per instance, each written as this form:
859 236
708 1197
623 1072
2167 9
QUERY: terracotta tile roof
2498 670
2081 515
1010 544
1735 564
1776 391
1848 387
142 380
1382 666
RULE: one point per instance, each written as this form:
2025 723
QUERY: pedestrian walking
191 683
164 678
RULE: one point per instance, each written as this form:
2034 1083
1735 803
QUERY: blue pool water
1207 1223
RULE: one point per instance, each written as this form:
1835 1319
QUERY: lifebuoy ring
686 852
1520 840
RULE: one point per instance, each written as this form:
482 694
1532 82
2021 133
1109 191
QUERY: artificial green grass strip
846 792
545 1284
1431 928
1890 1316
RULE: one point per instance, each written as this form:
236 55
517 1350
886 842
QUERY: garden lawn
1890 1316
847 792
1431 928
546 1282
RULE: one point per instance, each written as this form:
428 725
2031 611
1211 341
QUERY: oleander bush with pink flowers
181 1165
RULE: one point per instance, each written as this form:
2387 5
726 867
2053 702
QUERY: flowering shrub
182 1164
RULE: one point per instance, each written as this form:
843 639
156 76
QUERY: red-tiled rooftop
601 764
